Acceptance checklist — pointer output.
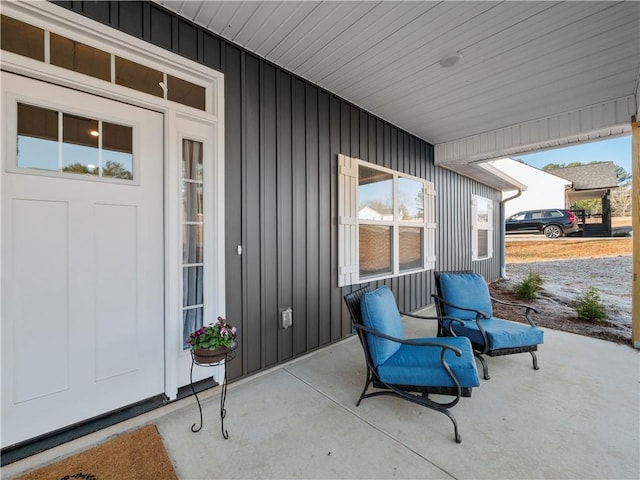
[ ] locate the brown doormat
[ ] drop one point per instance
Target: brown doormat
(137, 455)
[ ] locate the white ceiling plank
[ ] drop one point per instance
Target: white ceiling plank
(521, 59)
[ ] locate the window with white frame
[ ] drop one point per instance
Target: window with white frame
(193, 265)
(387, 222)
(481, 228)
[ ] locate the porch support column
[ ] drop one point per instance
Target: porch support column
(635, 218)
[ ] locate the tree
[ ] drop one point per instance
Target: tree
(116, 170)
(79, 168)
(552, 166)
(620, 201)
(622, 175)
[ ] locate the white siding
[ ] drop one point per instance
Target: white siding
(544, 190)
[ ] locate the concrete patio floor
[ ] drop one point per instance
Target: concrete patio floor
(576, 418)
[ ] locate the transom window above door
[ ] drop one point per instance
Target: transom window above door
(59, 142)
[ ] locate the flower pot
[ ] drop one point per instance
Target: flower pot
(206, 356)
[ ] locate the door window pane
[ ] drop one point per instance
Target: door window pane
(117, 151)
(411, 248)
(376, 250)
(80, 145)
(37, 138)
(77, 145)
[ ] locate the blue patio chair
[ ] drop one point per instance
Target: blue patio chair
(465, 296)
(411, 369)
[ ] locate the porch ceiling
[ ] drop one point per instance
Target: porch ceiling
(522, 62)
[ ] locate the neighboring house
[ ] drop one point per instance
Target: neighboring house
(588, 182)
(543, 189)
(594, 180)
(369, 213)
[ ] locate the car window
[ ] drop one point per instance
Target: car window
(555, 214)
(518, 216)
(537, 215)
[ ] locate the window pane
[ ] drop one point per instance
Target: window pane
(375, 194)
(376, 250)
(192, 279)
(483, 243)
(186, 93)
(117, 151)
(80, 145)
(411, 243)
(410, 200)
(192, 244)
(191, 321)
(21, 38)
(482, 226)
(192, 160)
(80, 58)
(192, 202)
(37, 138)
(136, 76)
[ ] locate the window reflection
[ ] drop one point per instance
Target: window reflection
(117, 151)
(80, 145)
(37, 138)
(375, 194)
(410, 200)
(80, 148)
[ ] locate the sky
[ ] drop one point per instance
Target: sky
(616, 150)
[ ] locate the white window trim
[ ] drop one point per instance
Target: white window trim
(474, 228)
(348, 223)
(53, 18)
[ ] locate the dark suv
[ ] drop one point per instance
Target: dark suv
(553, 222)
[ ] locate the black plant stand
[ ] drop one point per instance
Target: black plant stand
(230, 355)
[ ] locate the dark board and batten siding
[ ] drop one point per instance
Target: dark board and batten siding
(283, 135)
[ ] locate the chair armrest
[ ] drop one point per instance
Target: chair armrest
(527, 312)
(418, 343)
(423, 317)
(479, 313)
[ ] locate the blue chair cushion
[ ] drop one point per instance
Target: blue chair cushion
(380, 312)
(421, 366)
(468, 290)
(501, 333)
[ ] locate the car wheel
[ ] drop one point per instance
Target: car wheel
(552, 231)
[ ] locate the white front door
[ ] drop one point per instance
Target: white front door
(82, 256)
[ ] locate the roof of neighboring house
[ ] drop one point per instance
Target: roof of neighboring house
(591, 176)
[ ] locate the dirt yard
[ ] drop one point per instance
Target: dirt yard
(569, 266)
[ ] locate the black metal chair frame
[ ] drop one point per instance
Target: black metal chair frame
(485, 349)
(412, 393)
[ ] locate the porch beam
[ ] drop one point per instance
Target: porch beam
(604, 120)
(635, 225)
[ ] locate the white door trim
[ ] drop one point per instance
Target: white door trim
(54, 18)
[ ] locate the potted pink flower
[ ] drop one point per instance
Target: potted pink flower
(212, 343)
